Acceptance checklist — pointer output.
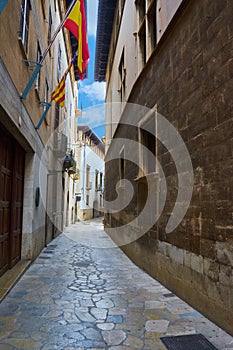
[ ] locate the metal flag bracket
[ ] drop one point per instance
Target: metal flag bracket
(30, 63)
(37, 66)
(43, 104)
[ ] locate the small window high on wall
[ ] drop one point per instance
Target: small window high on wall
(146, 29)
(122, 77)
(24, 22)
(147, 131)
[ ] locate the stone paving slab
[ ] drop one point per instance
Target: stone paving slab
(83, 293)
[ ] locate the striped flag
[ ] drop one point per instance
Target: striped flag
(76, 24)
(58, 94)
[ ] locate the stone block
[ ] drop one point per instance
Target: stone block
(162, 247)
(211, 269)
(158, 326)
(197, 263)
(114, 337)
(187, 258)
(225, 275)
(177, 255)
(224, 252)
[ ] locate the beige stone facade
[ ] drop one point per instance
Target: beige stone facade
(25, 30)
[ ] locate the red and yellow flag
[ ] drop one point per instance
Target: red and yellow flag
(76, 24)
(59, 93)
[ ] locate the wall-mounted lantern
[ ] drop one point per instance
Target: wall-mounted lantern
(68, 162)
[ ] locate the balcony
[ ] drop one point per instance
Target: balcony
(60, 144)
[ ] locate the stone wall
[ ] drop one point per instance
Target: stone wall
(189, 77)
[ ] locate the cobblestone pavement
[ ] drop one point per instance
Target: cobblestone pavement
(78, 295)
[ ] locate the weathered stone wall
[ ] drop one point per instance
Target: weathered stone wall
(189, 77)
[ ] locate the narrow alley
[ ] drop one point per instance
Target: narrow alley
(82, 292)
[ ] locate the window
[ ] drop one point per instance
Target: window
(152, 26)
(141, 9)
(49, 25)
(142, 44)
(147, 144)
(56, 125)
(24, 22)
(38, 58)
(46, 91)
(87, 199)
(88, 184)
(122, 76)
(147, 179)
(122, 164)
(59, 63)
(101, 180)
(43, 7)
(46, 96)
(147, 29)
(96, 180)
(101, 201)
(141, 5)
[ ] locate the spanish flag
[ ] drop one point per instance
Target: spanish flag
(76, 24)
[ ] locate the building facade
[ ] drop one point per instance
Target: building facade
(31, 208)
(89, 187)
(172, 59)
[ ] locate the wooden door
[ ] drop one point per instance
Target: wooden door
(17, 206)
(11, 197)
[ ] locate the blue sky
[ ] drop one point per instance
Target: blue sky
(92, 93)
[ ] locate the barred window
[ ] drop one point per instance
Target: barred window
(59, 63)
(146, 29)
(38, 59)
(24, 22)
(147, 142)
(122, 77)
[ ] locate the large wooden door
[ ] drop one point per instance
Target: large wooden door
(11, 200)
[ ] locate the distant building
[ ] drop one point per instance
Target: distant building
(89, 187)
(173, 58)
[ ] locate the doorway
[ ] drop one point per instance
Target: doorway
(12, 158)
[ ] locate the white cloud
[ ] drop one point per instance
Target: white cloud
(92, 10)
(94, 116)
(95, 91)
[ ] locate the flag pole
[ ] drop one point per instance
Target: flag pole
(57, 31)
(48, 105)
(37, 70)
